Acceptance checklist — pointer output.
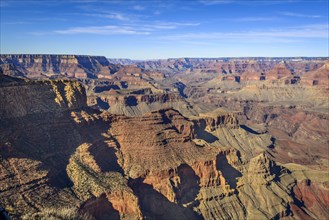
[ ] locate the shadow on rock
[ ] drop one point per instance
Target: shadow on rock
(105, 157)
(100, 208)
(189, 187)
(201, 133)
(229, 172)
(248, 129)
(154, 205)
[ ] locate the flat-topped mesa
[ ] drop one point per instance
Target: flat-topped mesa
(134, 99)
(169, 134)
(22, 97)
(248, 67)
(218, 118)
(58, 65)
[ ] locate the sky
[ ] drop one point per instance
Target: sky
(159, 29)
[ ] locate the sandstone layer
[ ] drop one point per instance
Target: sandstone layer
(174, 139)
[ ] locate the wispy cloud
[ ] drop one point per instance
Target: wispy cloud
(252, 19)
(216, 2)
(168, 25)
(157, 12)
(128, 29)
(103, 30)
(138, 8)
(245, 2)
(293, 14)
(266, 36)
(105, 12)
(110, 15)
(16, 22)
(29, 21)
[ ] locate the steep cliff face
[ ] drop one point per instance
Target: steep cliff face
(94, 177)
(167, 169)
(57, 152)
(10, 69)
(133, 100)
(58, 65)
(40, 97)
(169, 134)
(131, 104)
(38, 135)
(191, 181)
(262, 187)
(218, 118)
(313, 195)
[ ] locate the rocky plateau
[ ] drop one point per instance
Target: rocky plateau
(85, 137)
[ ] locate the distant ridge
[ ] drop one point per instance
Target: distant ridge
(42, 65)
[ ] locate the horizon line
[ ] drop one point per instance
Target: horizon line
(122, 58)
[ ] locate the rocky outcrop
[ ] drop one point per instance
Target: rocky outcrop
(318, 77)
(55, 151)
(38, 97)
(314, 196)
(169, 167)
(133, 100)
(169, 133)
(37, 137)
(92, 181)
(262, 189)
(10, 69)
(211, 121)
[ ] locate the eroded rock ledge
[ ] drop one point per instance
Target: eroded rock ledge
(59, 153)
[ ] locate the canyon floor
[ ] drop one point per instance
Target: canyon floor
(85, 137)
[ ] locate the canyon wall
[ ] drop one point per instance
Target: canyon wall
(37, 66)
(143, 144)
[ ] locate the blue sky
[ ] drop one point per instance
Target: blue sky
(151, 29)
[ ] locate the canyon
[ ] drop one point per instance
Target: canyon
(86, 137)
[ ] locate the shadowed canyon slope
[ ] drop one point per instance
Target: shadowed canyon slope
(169, 139)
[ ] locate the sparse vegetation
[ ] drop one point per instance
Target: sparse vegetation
(58, 99)
(63, 213)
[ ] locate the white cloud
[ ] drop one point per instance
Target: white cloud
(103, 30)
(168, 25)
(112, 15)
(292, 14)
(251, 19)
(266, 36)
(143, 29)
(123, 29)
(116, 16)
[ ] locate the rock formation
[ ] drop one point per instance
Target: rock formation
(56, 65)
(208, 139)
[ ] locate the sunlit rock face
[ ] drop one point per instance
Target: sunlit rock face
(197, 144)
